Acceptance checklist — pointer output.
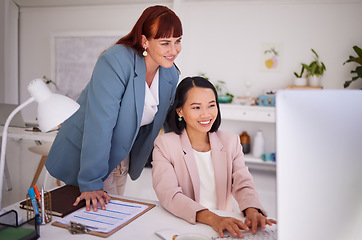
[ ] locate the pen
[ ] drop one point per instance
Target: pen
(31, 193)
(37, 194)
(44, 216)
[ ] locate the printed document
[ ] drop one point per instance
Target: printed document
(116, 213)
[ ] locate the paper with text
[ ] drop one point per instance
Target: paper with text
(116, 213)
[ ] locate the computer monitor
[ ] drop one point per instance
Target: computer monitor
(6, 110)
(319, 164)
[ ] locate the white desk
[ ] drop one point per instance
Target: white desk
(141, 228)
(22, 133)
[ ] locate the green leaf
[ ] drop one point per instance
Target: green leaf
(313, 68)
(359, 71)
(305, 66)
(349, 59)
(324, 67)
(358, 51)
(315, 53)
(346, 84)
(353, 59)
(301, 72)
(229, 94)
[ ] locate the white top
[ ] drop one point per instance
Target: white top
(208, 197)
(151, 101)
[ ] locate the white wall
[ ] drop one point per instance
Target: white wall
(2, 49)
(221, 38)
(224, 40)
(9, 83)
(39, 25)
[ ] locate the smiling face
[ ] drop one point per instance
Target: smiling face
(161, 51)
(199, 111)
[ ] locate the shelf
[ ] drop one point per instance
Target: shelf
(247, 113)
(251, 159)
(303, 87)
(257, 163)
(260, 114)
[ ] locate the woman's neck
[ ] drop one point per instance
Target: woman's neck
(151, 70)
(199, 141)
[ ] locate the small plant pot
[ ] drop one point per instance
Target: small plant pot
(314, 81)
(225, 98)
(300, 81)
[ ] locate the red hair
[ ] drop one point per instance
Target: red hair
(155, 22)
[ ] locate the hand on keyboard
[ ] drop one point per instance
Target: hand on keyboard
(269, 233)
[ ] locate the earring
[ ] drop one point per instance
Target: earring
(144, 53)
(179, 118)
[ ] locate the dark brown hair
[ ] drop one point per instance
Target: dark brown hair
(180, 98)
(155, 22)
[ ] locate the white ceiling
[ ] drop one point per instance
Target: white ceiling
(62, 3)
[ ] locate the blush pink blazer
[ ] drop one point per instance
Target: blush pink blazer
(176, 179)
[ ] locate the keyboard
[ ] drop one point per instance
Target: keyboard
(269, 233)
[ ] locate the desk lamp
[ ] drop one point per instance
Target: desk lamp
(53, 109)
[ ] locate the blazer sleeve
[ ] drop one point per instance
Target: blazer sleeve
(243, 188)
(166, 180)
(105, 92)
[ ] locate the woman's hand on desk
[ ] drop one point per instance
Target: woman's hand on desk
(219, 224)
(254, 219)
(93, 197)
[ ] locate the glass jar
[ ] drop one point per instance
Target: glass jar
(245, 142)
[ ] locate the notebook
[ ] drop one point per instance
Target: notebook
(62, 201)
(5, 110)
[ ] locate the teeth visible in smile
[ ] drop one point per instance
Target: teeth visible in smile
(206, 122)
(170, 58)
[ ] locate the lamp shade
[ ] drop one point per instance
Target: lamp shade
(53, 109)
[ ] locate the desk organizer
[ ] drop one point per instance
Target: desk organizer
(48, 208)
(10, 228)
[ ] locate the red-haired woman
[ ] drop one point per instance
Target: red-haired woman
(122, 110)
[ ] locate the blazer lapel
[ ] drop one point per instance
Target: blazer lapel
(191, 164)
(139, 86)
(220, 163)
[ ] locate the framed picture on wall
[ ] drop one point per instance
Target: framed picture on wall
(271, 57)
(74, 55)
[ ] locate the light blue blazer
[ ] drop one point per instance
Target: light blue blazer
(106, 128)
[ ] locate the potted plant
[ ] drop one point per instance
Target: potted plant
(223, 95)
(299, 79)
(315, 70)
(358, 69)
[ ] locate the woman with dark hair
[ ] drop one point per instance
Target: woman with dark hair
(198, 168)
(122, 110)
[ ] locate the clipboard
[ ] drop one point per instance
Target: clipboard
(104, 235)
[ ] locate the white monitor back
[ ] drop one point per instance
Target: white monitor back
(6, 110)
(319, 164)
